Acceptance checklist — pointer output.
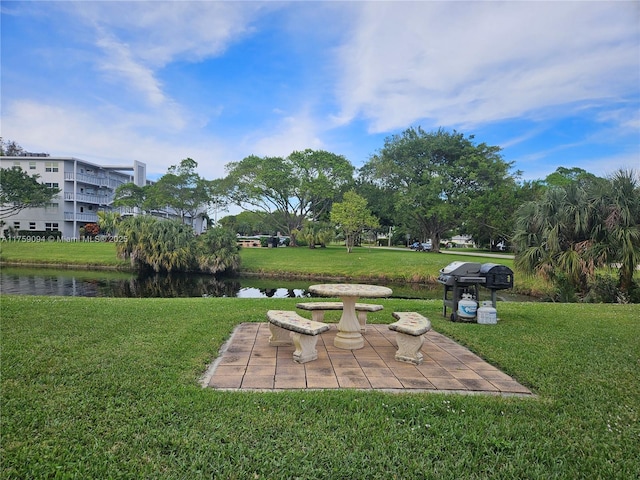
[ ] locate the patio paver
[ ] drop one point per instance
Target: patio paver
(248, 362)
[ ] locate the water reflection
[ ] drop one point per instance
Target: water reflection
(82, 283)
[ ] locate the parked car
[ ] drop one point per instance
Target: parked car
(421, 246)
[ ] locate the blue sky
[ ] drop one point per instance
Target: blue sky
(552, 83)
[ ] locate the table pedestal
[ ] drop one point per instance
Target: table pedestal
(349, 336)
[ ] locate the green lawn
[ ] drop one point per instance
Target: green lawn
(108, 388)
(365, 264)
(88, 254)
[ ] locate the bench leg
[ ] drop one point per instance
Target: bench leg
(279, 336)
(305, 347)
(409, 348)
(362, 320)
(317, 315)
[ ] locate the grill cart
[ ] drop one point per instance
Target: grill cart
(463, 278)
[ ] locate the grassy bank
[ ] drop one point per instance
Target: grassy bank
(108, 388)
(365, 264)
(76, 254)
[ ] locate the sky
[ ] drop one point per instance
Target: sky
(554, 84)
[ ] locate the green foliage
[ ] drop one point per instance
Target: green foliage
(108, 221)
(435, 177)
(168, 246)
(299, 187)
(181, 189)
(573, 230)
(19, 190)
(353, 217)
(218, 251)
(40, 234)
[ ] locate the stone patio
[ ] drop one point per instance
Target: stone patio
(248, 363)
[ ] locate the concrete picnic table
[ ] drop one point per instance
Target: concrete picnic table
(349, 336)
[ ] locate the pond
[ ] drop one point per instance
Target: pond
(99, 283)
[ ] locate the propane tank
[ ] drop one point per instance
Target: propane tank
(467, 307)
(487, 315)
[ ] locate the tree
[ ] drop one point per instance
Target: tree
(435, 177)
(19, 190)
(315, 233)
(9, 148)
(218, 251)
(617, 234)
(291, 190)
(171, 246)
(108, 221)
(130, 195)
(352, 216)
(181, 189)
(553, 239)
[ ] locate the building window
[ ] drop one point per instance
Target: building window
(32, 225)
(16, 225)
(32, 165)
(51, 226)
(16, 164)
(50, 166)
(51, 207)
(52, 184)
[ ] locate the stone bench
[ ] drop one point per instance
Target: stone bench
(410, 329)
(286, 326)
(318, 308)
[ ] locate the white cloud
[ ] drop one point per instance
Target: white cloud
(106, 136)
(467, 63)
(160, 32)
(293, 132)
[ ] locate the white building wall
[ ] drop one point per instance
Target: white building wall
(86, 188)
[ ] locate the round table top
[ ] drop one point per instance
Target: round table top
(350, 290)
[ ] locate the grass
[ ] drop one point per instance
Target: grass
(364, 264)
(76, 254)
(108, 388)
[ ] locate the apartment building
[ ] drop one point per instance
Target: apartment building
(85, 189)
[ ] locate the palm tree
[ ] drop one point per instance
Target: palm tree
(553, 237)
(218, 251)
(618, 234)
(108, 221)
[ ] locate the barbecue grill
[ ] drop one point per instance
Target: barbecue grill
(465, 277)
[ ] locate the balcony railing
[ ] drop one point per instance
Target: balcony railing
(80, 217)
(93, 180)
(86, 198)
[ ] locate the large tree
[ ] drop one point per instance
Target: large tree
(435, 177)
(19, 190)
(299, 187)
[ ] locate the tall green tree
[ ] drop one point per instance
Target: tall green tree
(291, 190)
(435, 177)
(353, 216)
(181, 189)
(19, 190)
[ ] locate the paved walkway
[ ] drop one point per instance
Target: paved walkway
(248, 362)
